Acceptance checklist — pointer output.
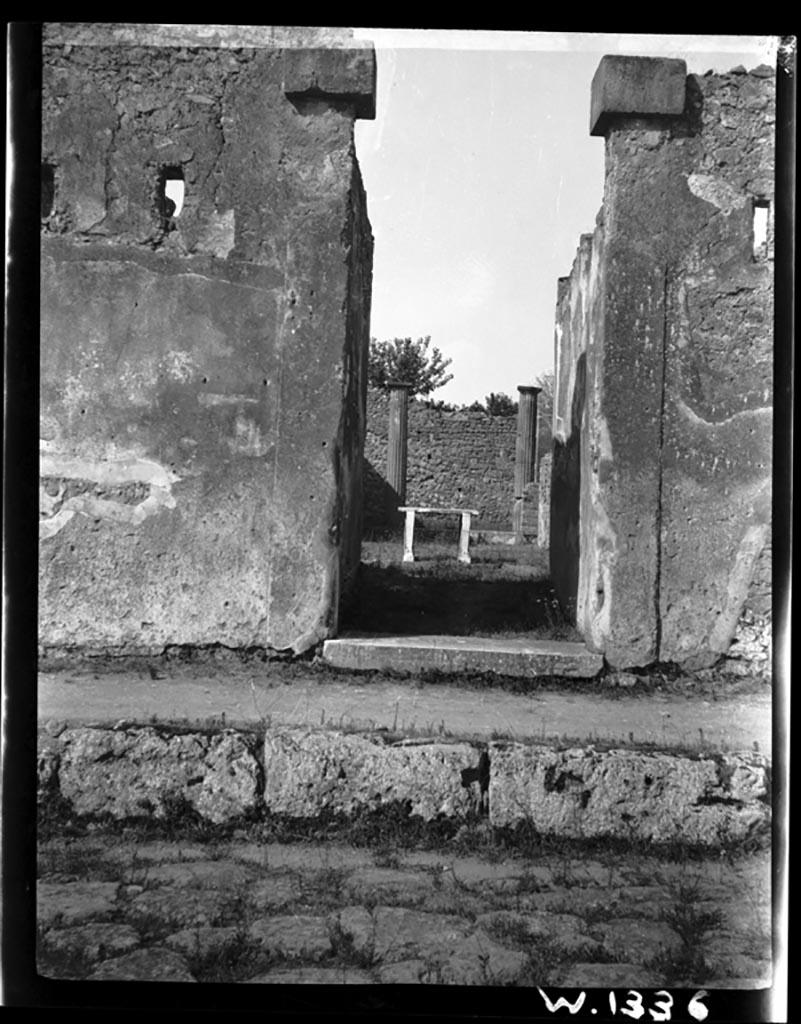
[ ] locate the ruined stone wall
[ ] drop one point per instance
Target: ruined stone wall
(455, 458)
(673, 422)
(202, 377)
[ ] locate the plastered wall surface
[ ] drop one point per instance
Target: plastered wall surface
(454, 458)
(203, 376)
(662, 464)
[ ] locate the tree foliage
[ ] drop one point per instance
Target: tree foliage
(500, 404)
(545, 399)
(408, 362)
(545, 381)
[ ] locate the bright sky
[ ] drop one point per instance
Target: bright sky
(481, 175)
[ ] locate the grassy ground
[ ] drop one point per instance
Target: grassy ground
(504, 592)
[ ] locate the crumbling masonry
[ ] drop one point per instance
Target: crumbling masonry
(661, 489)
(203, 376)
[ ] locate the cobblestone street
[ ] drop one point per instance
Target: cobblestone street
(242, 911)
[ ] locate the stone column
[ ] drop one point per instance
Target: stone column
(397, 447)
(525, 451)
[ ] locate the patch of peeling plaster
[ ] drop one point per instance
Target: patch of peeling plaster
(123, 471)
(716, 191)
(209, 398)
(116, 471)
(220, 234)
(178, 365)
(248, 438)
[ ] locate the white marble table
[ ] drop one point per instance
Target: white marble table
(464, 533)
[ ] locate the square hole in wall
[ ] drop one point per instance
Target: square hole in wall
(170, 193)
(760, 224)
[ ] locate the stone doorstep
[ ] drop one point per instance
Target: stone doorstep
(524, 659)
(576, 793)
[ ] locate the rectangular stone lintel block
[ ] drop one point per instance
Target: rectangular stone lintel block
(346, 74)
(636, 87)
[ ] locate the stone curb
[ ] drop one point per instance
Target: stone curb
(577, 793)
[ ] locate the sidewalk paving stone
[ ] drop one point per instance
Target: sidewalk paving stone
(357, 924)
(400, 931)
(181, 907)
(404, 972)
(95, 941)
(635, 940)
(75, 902)
(274, 891)
(202, 873)
(300, 935)
(203, 939)
(384, 884)
(565, 929)
(154, 964)
(481, 961)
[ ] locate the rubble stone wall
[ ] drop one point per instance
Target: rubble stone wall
(202, 369)
(455, 458)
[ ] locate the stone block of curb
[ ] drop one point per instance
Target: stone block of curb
(131, 772)
(583, 793)
(309, 772)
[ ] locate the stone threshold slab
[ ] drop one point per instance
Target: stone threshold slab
(515, 656)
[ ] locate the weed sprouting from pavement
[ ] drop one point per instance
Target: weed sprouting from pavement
(137, 871)
(529, 883)
(60, 962)
(151, 926)
(346, 951)
(692, 924)
(563, 874)
(597, 913)
(235, 959)
(386, 856)
(545, 955)
(76, 859)
(324, 888)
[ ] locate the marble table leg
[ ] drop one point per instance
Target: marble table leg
(408, 536)
(464, 539)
